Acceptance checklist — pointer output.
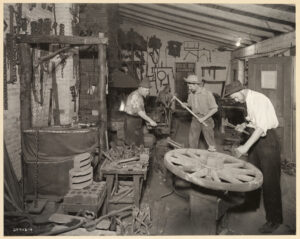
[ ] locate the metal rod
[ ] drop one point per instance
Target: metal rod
(187, 108)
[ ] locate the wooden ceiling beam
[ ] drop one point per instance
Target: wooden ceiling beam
(53, 39)
(263, 11)
(210, 21)
(179, 31)
(278, 43)
(235, 17)
(176, 32)
(205, 33)
(249, 39)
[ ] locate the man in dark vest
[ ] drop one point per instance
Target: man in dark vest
(135, 112)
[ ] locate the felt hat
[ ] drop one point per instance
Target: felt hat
(233, 87)
(192, 79)
(145, 83)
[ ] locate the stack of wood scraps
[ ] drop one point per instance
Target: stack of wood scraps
(121, 191)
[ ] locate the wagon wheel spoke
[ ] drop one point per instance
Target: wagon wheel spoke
(215, 176)
(185, 157)
(234, 165)
(201, 158)
(245, 178)
(191, 168)
(181, 162)
(229, 159)
(199, 174)
(228, 178)
(238, 171)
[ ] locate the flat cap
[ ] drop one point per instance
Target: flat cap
(192, 79)
(233, 87)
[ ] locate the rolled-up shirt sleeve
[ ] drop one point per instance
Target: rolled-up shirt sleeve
(211, 101)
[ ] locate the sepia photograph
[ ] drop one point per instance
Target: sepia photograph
(149, 119)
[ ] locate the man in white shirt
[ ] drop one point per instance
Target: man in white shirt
(263, 149)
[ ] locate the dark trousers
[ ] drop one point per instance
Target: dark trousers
(133, 130)
(265, 155)
(195, 131)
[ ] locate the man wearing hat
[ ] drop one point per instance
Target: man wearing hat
(203, 104)
(135, 112)
(263, 151)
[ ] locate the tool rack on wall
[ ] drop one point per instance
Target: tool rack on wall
(26, 42)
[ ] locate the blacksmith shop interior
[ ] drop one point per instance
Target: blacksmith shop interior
(149, 119)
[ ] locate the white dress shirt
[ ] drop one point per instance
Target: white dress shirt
(261, 112)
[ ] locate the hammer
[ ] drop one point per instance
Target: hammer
(188, 109)
(226, 123)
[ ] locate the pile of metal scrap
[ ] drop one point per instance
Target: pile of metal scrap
(140, 222)
(124, 153)
(66, 223)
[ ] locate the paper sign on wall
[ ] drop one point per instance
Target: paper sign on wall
(269, 79)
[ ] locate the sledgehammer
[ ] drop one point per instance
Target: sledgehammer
(188, 109)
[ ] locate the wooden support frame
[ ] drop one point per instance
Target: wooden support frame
(26, 40)
(102, 96)
(52, 39)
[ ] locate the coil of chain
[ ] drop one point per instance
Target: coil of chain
(38, 125)
(37, 144)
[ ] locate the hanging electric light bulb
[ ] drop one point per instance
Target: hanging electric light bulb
(238, 43)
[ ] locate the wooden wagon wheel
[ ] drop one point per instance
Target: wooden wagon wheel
(213, 170)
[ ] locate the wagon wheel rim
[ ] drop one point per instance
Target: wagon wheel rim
(213, 170)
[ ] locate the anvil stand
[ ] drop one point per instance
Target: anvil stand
(207, 208)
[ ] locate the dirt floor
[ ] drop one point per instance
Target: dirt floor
(172, 213)
(185, 211)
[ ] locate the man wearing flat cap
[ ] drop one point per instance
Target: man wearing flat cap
(263, 151)
(203, 104)
(135, 112)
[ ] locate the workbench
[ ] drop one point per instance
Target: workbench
(113, 172)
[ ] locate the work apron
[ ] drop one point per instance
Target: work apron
(133, 130)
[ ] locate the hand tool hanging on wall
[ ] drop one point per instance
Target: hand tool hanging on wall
(46, 26)
(5, 79)
(12, 48)
(155, 44)
(18, 15)
(54, 26)
(33, 82)
(56, 114)
(174, 48)
(208, 58)
(50, 108)
(74, 95)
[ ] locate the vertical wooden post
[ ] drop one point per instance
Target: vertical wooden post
(102, 95)
(25, 86)
(25, 74)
